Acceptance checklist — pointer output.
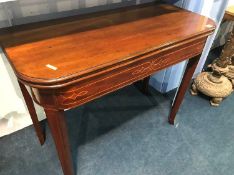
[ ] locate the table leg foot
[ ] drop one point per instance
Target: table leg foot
(58, 129)
(145, 85)
(32, 111)
(191, 67)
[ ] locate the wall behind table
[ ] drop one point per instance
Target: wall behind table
(25, 11)
(13, 112)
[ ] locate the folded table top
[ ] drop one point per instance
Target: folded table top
(53, 51)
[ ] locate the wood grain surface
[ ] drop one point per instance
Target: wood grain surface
(71, 61)
(53, 52)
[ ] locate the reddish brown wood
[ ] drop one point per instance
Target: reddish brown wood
(192, 64)
(89, 89)
(29, 102)
(86, 45)
(71, 61)
(58, 129)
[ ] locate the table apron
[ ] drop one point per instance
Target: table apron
(92, 88)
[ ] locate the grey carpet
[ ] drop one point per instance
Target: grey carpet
(126, 133)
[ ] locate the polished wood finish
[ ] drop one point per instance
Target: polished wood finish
(191, 67)
(32, 111)
(71, 61)
(57, 124)
(83, 46)
(229, 13)
(91, 88)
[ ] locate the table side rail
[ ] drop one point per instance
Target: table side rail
(83, 92)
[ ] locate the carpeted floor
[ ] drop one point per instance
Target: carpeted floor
(126, 133)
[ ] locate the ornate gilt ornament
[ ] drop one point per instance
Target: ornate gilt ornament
(221, 64)
(222, 70)
(227, 53)
(213, 85)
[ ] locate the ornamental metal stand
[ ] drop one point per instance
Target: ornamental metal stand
(219, 83)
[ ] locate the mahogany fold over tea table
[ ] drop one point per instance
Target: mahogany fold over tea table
(71, 61)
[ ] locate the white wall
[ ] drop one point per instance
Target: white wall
(13, 113)
(10, 102)
(231, 2)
